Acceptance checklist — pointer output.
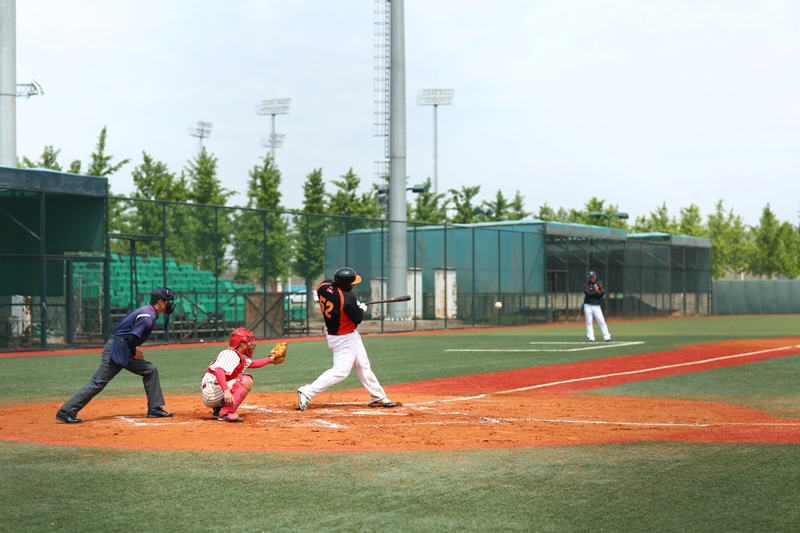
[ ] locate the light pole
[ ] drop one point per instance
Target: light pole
(435, 97)
(599, 214)
(273, 106)
(483, 212)
(202, 131)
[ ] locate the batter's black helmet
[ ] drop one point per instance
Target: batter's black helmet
(591, 274)
(346, 277)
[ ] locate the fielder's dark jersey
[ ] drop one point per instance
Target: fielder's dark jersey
(593, 293)
(339, 307)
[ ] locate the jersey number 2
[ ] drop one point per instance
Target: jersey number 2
(325, 306)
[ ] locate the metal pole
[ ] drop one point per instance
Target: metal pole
(272, 138)
(398, 252)
(8, 84)
(435, 152)
(43, 271)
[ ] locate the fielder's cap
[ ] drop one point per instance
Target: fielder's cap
(162, 293)
(591, 274)
(347, 276)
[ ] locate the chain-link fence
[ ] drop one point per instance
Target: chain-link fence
(233, 267)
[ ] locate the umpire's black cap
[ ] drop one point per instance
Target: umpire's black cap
(591, 274)
(162, 293)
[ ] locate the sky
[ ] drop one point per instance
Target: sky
(640, 104)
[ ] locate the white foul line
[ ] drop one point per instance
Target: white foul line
(643, 370)
(589, 378)
(592, 346)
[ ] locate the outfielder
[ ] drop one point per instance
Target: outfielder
(224, 386)
(343, 313)
(591, 307)
(122, 351)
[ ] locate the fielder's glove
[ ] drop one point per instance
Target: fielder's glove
(362, 306)
(278, 353)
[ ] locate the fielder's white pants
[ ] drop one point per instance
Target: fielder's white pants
(594, 312)
(348, 352)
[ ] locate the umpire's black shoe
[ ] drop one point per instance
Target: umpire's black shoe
(158, 412)
(67, 418)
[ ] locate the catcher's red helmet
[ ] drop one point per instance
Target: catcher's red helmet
(240, 335)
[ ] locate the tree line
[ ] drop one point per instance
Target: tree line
(266, 242)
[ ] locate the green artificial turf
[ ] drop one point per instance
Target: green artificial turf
(772, 386)
(632, 487)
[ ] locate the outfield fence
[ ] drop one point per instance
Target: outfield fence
(235, 267)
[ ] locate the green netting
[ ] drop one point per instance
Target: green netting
(756, 297)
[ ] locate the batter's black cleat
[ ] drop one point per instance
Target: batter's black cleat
(158, 412)
(67, 418)
(384, 402)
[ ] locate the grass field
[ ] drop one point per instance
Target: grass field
(650, 486)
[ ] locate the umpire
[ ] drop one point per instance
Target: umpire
(593, 295)
(122, 351)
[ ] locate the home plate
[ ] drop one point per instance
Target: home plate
(379, 413)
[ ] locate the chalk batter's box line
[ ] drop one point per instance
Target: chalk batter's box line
(591, 346)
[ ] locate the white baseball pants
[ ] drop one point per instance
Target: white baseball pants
(595, 312)
(348, 352)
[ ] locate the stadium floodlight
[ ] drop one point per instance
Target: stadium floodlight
(435, 98)
(273, 106)
(599, 214)
(202, 131)
(275, 140)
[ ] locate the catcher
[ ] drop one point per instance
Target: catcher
(224, 386)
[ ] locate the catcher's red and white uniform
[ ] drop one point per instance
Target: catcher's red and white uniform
(233, 364)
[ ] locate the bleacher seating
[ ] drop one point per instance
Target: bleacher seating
(196, 288)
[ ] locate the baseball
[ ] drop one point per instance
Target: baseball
(498, 305)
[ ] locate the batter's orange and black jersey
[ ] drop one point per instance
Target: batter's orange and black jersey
(342, 314)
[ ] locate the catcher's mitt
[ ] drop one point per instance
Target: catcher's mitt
(278, 353)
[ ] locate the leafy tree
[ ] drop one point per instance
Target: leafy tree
(499, 207)
(345, 201)
(48, 159)
(551, 215)
(100, 165)
(730, 241)
(154, 181)
(249, 247)
(205, 189)
(427, 207)
(516, 209)
(692, 222)
(462, 201)
(75, 167)
(598, 206)
(766, 258)
(788, 251)
(310, 231)
(659, 221)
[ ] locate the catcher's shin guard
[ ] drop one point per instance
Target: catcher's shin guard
(240, 390)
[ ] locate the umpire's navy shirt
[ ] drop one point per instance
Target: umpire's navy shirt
(140, 322)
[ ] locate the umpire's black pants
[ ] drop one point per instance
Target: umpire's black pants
(106, 372)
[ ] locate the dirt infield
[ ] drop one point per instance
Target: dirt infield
(527, 407)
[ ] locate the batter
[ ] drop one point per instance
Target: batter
(343, 313)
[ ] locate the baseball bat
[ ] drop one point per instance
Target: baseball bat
(405, 298)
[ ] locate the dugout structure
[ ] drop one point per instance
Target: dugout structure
(536, 269)
(52, 224)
